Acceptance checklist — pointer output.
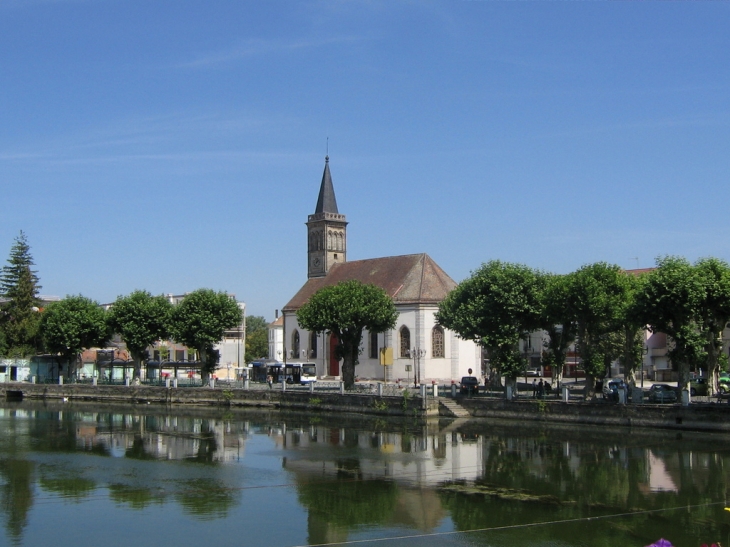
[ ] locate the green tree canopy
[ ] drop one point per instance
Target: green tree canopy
(200, 321)
(19, 318)
(598, 293)
(140, 319)
(497, 306)
(257, 337)
(691, 304)
(557, 321)
(72, 325)
(344, 310)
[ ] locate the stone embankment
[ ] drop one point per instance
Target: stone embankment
(695, 417)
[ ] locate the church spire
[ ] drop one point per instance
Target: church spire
(326, 203)
(326, 230)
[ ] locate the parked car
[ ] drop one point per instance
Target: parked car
(535, 371)
(699, 386)
(469, 385)
(610, 389)
(662, 393)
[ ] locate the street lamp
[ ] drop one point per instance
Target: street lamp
(417, 353)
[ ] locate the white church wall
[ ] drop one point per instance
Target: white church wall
(459, 355)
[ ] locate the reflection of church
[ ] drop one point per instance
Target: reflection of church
(421, 348)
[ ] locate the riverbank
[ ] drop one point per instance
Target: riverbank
(695, 417)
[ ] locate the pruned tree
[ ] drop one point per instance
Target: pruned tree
(140, 319)
(19, 286)
(557, 321)
(714, 311)
(344, 310)
(596, 299)
(72, 325)
(498, 306)
(200, 321)
(690, 304)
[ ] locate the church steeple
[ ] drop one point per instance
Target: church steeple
(326, 203)
(326, 229)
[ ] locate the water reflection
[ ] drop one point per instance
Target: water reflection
(288, 480)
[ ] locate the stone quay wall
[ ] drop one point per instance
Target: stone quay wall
(695, 417)
(205, 396)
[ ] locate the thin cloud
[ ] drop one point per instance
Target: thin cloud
(255, 48)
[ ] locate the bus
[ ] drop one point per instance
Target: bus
(300, 373)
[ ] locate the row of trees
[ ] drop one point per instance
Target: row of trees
(601, 308)
(76, 323)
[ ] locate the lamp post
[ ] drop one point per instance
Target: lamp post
(417, 353)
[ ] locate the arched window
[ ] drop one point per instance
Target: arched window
(374, 345)
(330, 244)
(437, 342)
(313, 345)
(405, 342)
(295, 343)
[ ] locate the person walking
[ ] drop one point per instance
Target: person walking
(540, 389)
(534, 389)
(270, 381)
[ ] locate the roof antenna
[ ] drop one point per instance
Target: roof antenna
(637, 261)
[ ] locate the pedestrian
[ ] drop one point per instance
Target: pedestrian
(534, 389)
(270, 381)
(540, 389)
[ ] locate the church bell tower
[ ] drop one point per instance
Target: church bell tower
(326, 230)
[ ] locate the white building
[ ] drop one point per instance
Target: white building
(276, 338)
(422, 350)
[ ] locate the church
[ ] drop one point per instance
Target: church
(422, 351)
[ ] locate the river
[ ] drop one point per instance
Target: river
(77, 475)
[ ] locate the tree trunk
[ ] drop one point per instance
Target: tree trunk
(137, 367)
(713, 351)
(557, 372)
(589, 392)
(203, 358)
(349, 358)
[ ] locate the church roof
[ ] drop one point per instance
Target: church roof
(326, 202)
(407, 279)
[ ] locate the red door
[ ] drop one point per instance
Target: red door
(334, 368)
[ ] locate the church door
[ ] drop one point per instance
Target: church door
(334, 368)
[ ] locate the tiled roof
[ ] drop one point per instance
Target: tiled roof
(407, 279)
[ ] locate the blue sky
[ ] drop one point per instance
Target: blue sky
(174, 145)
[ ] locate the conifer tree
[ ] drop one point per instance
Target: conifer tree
(19, 317)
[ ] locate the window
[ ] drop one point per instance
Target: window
(295, 343)
(373, 345)
(437, 342)
(405, 342)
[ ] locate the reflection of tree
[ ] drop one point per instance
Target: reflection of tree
(205, 498)
(339, 505)
(136, 498)
(591, 478)
(137, 451)
(207, 444)
(57, 432)
(16, 495)
(75, 488)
